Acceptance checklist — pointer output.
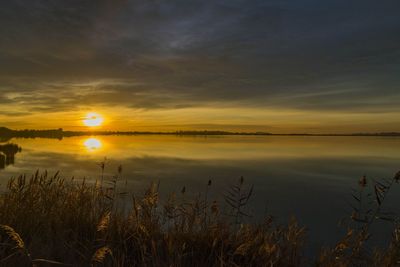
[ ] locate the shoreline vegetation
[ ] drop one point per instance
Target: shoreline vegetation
(6, 133)
(46, 220)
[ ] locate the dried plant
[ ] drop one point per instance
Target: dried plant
(237, 198)
(100, 256)
(77, 223)
(352, 250)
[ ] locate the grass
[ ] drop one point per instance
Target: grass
(49, 221)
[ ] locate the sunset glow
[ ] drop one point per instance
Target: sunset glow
(252, 72)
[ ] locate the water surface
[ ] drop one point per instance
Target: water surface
(307, 177)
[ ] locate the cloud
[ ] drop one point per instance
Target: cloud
(309, 55)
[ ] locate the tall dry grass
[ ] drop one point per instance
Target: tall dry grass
(49, 221)
(81, 224)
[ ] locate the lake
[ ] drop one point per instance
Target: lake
(308, 177)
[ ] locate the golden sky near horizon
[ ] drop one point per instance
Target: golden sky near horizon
(280, 67)
(276, 121)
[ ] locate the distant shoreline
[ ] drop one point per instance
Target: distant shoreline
(6, 133)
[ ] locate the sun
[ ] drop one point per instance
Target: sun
(93, 119)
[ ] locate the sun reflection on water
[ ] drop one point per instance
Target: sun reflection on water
(92, 144)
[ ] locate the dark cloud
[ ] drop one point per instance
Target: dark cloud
(312, 55)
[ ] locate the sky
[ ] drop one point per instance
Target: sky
(281, 66)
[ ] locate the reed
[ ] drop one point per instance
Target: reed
(48, 220)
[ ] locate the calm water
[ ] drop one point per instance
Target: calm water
(308, 177)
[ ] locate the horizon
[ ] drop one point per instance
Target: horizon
(204, 131)
(315, 67)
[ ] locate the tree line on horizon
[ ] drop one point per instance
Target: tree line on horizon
(7, 133)
(60, 133)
